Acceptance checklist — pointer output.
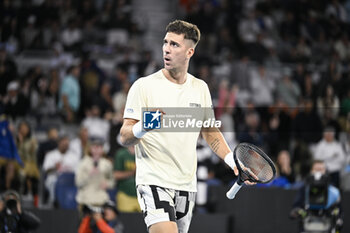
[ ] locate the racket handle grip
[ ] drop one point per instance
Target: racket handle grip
(233, 190)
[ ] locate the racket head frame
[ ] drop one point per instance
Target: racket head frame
(244, 175)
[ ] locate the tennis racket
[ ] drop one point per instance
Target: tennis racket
(253, 165)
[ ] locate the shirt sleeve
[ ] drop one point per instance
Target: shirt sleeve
(49, 161)
(85, 225)
(208, 104)
(104, 227)
(135, 101)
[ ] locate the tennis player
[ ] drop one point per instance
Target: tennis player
(166, 162)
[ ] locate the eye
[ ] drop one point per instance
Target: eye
(174, 44)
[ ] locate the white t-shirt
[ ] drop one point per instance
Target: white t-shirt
(332, 154)
(69, 161)
(166, 159)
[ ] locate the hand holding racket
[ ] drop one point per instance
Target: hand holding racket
(253, 166)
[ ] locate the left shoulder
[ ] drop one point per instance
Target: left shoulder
(196, 81)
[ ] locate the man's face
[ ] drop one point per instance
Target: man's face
(63, 145)
(328, 136)
(176, 51)
(318, 168)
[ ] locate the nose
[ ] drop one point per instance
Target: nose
(166, 49)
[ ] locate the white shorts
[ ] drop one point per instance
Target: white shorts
(162, 204)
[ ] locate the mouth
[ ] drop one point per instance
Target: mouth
(166, 59)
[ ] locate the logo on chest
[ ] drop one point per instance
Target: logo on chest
(195, 105)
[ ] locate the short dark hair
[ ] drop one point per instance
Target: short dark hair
(190, 31)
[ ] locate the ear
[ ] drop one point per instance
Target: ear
(190, 52)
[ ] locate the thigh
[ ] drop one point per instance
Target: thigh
(184, 204)
(162, 227)
(157, 205)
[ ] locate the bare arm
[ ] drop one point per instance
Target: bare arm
(121, 175)
(217, 143)
(127, 137)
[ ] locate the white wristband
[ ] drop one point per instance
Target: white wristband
(229, 160)
(138, 131)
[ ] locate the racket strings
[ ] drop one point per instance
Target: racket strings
(256, 163)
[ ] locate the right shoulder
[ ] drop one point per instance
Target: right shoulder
(148, 80)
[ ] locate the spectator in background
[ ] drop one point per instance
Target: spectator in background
(58, 161)
(310, 28)
(289, 27)
(124, 173)
(279, 128)
(80, 144)
(30, 32)
(250, 133)
(262, 87)
(285, 174)
(104, 99)
(308, 88)
(42, 102)
(71, 36)
(120, 76)
(342, 47)
(114, 138)
(337, 10)
(285, 167)
(106, 16)
(328, 102)
(69, 100)
(287, 90)
(248, 28)
(27, 148)
(9, 157)
(321, 48)
(105, 222)
(8, 71)
(331, 152)
(94, 176)
(47, 145)
(91, 79)
(224, 111)
(67, 13)
(241, 78)
(257, 50)
(10, 177)
(119, 98)
(306, 130)
(15, 104)
(96, 125)
(299, 75)
(332, 77)
(147, 65)
(12, 216)
(345, 104)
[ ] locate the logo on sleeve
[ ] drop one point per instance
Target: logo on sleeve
(151, 119)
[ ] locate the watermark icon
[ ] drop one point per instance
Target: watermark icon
(152, 119)
(179, 119)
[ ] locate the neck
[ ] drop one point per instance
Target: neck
(175, 76)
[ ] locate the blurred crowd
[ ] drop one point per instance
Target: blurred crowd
(278, 72)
